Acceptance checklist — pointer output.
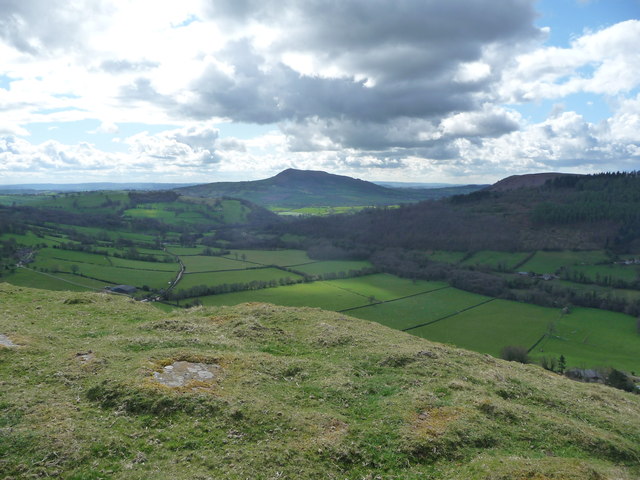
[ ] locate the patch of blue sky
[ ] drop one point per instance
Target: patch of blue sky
(570, 19)
(5, 81)
(47, 111)
(593, 108)
(65, 95)
(72, 133)
(185, 23)
(244, 131)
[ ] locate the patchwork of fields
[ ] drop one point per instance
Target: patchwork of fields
(434, 310)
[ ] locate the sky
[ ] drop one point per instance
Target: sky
(197, 91)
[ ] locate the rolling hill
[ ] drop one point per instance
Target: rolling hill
(97, 386)
(567, 212)
(301, 188)
(515, 182)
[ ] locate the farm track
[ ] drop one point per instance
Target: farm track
(180, 273)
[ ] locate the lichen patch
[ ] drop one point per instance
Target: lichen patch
(182, 374)
(6, 341)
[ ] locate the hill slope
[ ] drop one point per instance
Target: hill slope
(283, 393)
(524, 181)
(568, 212)
(300, 188)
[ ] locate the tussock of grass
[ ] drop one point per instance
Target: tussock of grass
(301, 393)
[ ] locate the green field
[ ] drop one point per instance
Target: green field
(194, 264)
(115, 235)
(58, 281)
(29, 239)
(419, 309)
(57, 259)
(163, 215)
(19, 200)
(282, 258)
(142, 265)
(491, 326)
(496, 260)
(315, 211)
(318, 294)
(330, 295)
(49, 255)
(550, 262)
(626, 294)
(116, 275)
(598, 273)
(234, 211)
(383, 286)
(241, 276)
(590, 338)
(178, 250)
(332, 266)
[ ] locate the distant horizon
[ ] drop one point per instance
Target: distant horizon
(206, 91)
(178, 183)
(90, 183)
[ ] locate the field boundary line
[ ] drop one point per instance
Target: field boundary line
(307, 263)
(267, 264)
(526, 259)
(79, 261)
(68, 281)
(231, 270)
(388, 301)
(116, 266)
(544, 335)
(447, 316)
(243, 261)
(326, 282)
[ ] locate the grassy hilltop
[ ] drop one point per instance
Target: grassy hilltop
(290, 393)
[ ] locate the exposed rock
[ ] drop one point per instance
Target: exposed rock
(6, 341)
(181, 373)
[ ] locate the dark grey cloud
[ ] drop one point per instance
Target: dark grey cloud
(391, 39)
(263, 93)
(142, 90)
(399, 61)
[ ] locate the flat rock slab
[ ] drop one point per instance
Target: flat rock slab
(6, 341)
(181, 373)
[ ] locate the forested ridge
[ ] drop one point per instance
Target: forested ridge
(583, 212)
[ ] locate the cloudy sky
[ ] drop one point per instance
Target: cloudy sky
(458, 91)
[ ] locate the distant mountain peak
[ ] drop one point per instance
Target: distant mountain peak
(290, 172)
(294, 173)
(296, 188)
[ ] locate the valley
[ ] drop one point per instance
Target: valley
(173, 327)
(180, 252)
